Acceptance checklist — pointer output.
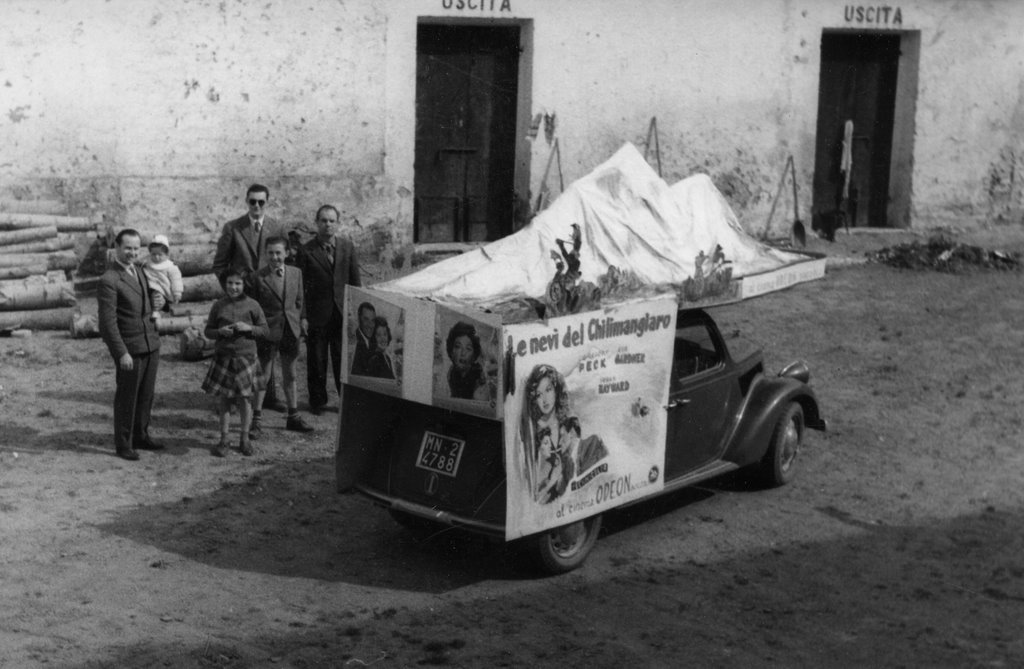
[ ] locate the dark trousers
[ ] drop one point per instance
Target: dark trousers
(133, 400)
(323, 342)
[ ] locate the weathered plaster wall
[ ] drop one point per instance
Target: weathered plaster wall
(716, 75)
(734, 87)
(720, 77)
(160, 113)
(969, 153)
(156, 111)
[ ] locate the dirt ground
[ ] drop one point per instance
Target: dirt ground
(898, 545)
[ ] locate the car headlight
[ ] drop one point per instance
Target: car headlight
(797, 370)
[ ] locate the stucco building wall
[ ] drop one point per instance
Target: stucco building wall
(158, 114)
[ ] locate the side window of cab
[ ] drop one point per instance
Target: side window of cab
(695, 352)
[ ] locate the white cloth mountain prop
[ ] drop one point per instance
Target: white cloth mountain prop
(630, 222)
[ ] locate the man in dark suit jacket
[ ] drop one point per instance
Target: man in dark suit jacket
(243, 241)
(279, 291)
(241, 246)
(328, 264)
(365, 344)
(125, 306)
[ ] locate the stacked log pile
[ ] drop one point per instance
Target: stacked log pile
(48, 257)
(37, 256)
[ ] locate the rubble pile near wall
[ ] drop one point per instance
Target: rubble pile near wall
(943, 254)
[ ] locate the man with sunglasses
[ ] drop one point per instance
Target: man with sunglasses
(242, 247)
(243, 241)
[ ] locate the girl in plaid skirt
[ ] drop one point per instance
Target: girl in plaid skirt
(236, 321)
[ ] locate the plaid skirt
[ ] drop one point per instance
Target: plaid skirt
(234, 376)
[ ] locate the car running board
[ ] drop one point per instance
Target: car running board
(710, 470)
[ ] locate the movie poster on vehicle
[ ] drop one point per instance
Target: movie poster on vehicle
(374, 342)
(467, 357)
(585, 426)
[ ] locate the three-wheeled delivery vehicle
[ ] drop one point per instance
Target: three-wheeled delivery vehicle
(527, 413)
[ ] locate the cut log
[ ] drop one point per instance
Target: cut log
(59, 243)
(58, 260)
(193, 344)
(184, 238)
(23, 235)
(25, 295)
(201, 288)
(37, 319)
(176, 324)
(197, 309)
(35, 207)
(15, 221)
(22, 271)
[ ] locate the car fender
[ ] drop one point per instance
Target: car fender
(767, 398)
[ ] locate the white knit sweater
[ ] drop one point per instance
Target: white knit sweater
(164, 277)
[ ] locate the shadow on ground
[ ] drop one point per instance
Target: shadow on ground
(885, 596)
(288, 521)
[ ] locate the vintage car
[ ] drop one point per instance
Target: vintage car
(433, 467)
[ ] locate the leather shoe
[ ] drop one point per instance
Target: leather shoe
(296, 424)
(276, 405)
(130, 454)
(245, 447)
(317, 410)
(148, 445)
(256, 428)
(220, 450)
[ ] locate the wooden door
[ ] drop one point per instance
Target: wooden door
(858, 83)
(466, 95)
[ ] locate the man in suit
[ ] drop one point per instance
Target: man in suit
(365, 344)
(125, 305)
(279, 291)
(241, 246)
(583, 453)
(328, 264)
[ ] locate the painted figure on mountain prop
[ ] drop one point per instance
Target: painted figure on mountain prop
(712, 276)
(566, 294)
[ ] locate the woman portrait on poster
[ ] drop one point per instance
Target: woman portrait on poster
(466, 376)
(547, 404)
(381, 363)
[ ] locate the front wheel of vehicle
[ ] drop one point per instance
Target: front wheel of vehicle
(779, 464)
(564, 548)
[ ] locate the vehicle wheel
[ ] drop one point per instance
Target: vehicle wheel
(420, 528)
(564, 548)
(779, 464)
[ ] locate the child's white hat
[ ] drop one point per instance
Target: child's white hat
(162, 241)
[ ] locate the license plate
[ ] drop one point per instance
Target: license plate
(440, 454)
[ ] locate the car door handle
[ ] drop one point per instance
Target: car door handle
(678, 403)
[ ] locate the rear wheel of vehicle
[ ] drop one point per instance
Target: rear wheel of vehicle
(420, 528)
(564, 548)
(779, 464)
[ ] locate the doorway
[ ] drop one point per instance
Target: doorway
(467, 81)
(863, 151)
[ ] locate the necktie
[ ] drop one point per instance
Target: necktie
(256, 225)
(279, 280)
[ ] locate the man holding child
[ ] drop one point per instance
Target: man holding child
(125, 324)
